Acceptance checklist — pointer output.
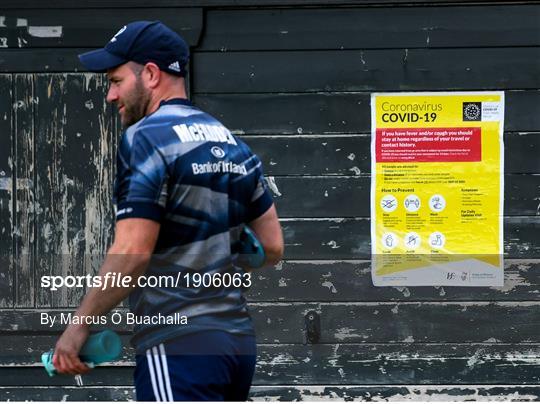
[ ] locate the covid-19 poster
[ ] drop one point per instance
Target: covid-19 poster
(437, 188)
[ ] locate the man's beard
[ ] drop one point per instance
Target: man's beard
(135, 104)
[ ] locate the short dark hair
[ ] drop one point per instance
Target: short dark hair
(136, 68)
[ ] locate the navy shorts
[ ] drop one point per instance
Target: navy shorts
(204, 366)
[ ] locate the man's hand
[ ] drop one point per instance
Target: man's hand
(66, 353)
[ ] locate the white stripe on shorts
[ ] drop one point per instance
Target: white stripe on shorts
(166, 372)
(159, 375)
(152, 375)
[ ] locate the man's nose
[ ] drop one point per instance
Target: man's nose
(112, 95)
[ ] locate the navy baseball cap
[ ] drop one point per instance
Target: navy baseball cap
(141, 42)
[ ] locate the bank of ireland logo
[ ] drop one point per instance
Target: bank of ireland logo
(217, 152)
(113, 39)
(472, 111)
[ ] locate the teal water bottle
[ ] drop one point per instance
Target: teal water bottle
(249, 249)
(105, 346)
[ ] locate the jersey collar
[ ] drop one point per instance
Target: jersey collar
(176, 101)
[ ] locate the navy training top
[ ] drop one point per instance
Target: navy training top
(181, 167)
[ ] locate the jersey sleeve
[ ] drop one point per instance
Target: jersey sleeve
(141, 182)
(261, 198)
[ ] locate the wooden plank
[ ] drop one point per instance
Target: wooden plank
(516, 147)
(312, 154)
(518, 119)
(295, 393)
(26, 28)
(274, 114)
(321, 113)
(306, 196)
(346, 364)
(345, 239)
(367, 70)
(36, 376)
(395, 393)
(377, 322)
(384, 70)
(40, 60)
(25, 198)
(350, 281)
(10, 4)
(81, 394)
(326, 239)
(340, 238)
(518, 194)
(373, 322)
(521, 237)
(350, 154)
(26, 350)
(297, 197)
(366, 28)
(6, 192)
(386, 364)
(76, 147)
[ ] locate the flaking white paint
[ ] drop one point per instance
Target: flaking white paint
(45, 31)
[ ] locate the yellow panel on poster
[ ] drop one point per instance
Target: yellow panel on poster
(437, 188)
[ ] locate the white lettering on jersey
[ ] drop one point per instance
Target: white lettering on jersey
(201, 132)
(219, 167)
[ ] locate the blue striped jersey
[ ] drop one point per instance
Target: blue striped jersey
(181, 167)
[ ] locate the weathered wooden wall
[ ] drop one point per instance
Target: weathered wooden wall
(294, 82)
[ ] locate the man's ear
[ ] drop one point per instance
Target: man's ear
(151, 75)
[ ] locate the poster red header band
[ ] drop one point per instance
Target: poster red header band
(395, 145)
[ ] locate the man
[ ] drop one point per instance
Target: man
(184, 190)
